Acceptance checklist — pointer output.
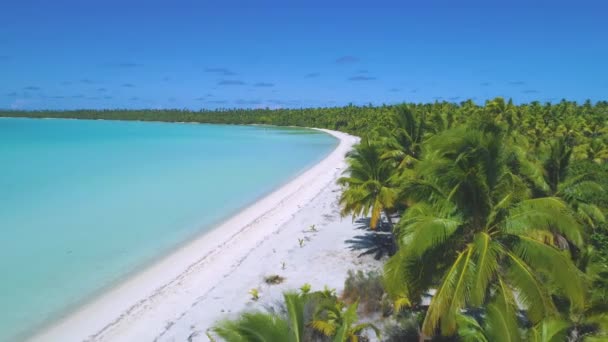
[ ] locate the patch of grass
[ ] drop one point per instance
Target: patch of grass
(274, 279)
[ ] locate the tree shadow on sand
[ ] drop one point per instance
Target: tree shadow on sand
(378, 242)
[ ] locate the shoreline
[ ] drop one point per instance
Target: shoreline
(197, 266)
(74, 309)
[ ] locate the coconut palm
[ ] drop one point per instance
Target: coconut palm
(331, 319)
(595, 149)
(578, 191)
(264, 327)
(403, 143)
(475, 235)
(368, 186)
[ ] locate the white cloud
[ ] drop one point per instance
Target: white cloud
(18, 104)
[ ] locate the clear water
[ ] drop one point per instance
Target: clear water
(85, 203)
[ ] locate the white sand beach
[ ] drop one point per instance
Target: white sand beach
(182, 295)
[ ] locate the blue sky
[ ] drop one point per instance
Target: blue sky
(209, 54)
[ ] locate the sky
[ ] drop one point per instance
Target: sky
(257, 54)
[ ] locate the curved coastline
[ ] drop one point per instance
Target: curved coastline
(196, 268)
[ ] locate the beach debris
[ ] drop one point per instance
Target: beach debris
(283, 265)
(274, 279)
(195, 334)
(255, 294)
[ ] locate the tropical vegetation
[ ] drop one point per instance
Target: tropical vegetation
(497, 212)
(305, 316)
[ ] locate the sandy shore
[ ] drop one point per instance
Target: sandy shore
(182, 295)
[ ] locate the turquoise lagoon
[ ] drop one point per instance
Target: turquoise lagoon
(83, 204)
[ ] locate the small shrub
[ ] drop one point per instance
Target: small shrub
(405, 329)
(313, 229)
(367, 288)
(274, 279)
(301, 242)
(305, 288)
(255, 294)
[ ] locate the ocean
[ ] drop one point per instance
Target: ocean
(84, 204)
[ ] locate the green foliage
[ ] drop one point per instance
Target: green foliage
(368, 187)
(255, 327)
(550, 330)
(488, 241)
(263, 327)
(502, 215)
(330, 318)
(305, 289)
(255, 294)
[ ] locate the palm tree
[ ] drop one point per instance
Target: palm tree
(475, 235)
(296, 324)
(368, 186)
(333, 321)
(264, 327)
(595, 149)
(403, 143)
(578, 191)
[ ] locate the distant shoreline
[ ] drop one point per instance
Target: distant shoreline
(210, 254)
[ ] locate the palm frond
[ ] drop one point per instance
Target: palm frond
(295, 310)
(450, 297)
(395, 277)
(324, 327)
(547, 213)
(424, 227)
(556, 265)
(501, 324)
(469, 330)
(549, 330)
(485, 257)
(254, 327)
(348, 318)
(530, 290)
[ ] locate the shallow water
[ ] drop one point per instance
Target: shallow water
(85, 203)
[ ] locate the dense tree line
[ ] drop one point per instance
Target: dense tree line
(501, 218)
(533, 119)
